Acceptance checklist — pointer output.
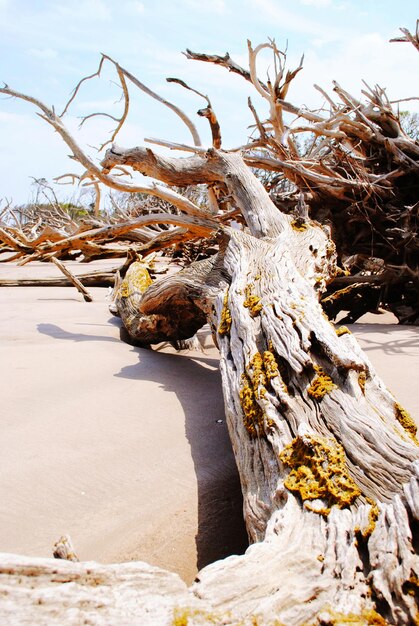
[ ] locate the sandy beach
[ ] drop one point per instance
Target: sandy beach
(123, 448)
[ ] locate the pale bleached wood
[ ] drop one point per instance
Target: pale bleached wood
(330, 547)
(73, 279)
(306, 563)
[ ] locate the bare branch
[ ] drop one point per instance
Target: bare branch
(75, 281)
(182, 83)
(185, 119)
(77, 87)
(408, 37)
(225, 61)
(175, 146)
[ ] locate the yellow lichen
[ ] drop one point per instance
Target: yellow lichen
(258, 376)
(372, 518)
(319, 471)
(253, 415)
(182, 617)
(362, 379)
(260, 371)
(368, 617)
(252, 302)
(342, 331)
(273, 369)
(341, 272)
(411, 586)
(137, 280)
(321, 385)
(299, 225)
(225, 322)
(404, 418)
(270, 364)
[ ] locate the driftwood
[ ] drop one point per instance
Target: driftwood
(92, 279)
(328, 459)
(355, 169)
(64, 549)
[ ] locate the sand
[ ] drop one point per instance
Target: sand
(123, 448)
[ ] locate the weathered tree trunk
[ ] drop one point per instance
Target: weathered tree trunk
(328, 459)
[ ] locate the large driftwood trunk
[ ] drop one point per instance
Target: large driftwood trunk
(328, 459)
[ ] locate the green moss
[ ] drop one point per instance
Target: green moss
(321, 385)
(319, 470)
(225, 322)
(252, 302)
(404, 418)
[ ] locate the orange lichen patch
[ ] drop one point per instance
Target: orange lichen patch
(252, 302)
(225, 322)
(404, 418)
(362, 379)
(319, 471)
(137, 280)
(342, 331)
(321, 385)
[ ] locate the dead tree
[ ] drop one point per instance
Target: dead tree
(356, 169)
(328, 459)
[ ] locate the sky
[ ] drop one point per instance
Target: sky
(47, 46)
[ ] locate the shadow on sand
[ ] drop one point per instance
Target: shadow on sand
(392, 339)
(197, 383)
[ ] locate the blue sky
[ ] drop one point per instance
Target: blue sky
(47, 46)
